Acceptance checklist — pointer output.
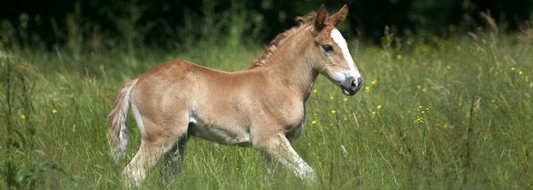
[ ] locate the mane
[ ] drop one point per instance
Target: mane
(302, 21)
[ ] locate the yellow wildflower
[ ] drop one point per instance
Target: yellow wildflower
(512, 68)
(452, 27)
(379, 107)
(435, 38)
(367, 89)
(410, 40)
(345, 99)
(399, 56)
(390, 38)
(22, 116)
(314, 122)
(333, 111)
(54, 111)
(308, 144)
(418, 86)
(345, 119)
(374, 82)
(314, 91)
(373, 113)
(424, 89)
(520, 72)
(448, 67)
(331, 97)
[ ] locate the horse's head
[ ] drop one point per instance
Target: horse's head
(331, 55)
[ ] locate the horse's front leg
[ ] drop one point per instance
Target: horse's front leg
(278, 148)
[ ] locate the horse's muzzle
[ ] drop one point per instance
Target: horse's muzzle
(350, 86)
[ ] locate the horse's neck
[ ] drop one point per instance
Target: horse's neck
(294, 66)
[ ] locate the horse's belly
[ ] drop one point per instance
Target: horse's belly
(222, 135)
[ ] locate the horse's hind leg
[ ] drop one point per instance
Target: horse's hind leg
(157, 140)
(172, 162)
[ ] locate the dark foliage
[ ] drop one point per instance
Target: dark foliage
(48, 19)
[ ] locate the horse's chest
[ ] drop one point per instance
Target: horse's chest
(297, 131)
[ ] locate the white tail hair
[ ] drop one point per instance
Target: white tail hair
(117, 134)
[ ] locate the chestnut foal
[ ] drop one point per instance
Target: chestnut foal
(262, 106)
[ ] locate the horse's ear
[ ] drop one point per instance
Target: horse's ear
(320, 18)
(339, 16)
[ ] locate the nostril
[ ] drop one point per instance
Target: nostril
(359, 84)
(354, 85)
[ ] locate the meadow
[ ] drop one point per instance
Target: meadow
(435, 112)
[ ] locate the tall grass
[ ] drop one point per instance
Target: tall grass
(434, 113)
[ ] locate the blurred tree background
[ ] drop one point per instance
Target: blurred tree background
(99, 24)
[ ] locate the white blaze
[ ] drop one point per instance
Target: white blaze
(341, 42)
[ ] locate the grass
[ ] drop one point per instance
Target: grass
(434, 114)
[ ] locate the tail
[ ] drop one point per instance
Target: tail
(117, 134)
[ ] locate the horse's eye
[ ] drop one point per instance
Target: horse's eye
(327, 48)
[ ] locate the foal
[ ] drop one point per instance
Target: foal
(262, 106)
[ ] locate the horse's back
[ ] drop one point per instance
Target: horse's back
(181, 85)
